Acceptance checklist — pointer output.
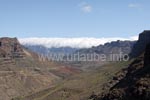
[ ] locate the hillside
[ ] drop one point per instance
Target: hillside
(34, 79)
(79, 86)
(136, 83)
(22, 72)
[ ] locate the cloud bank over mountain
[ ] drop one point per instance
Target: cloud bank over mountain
(84, 42)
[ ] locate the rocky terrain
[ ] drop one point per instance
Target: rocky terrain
(10, 47)
(22, 72)
(135, 81)
(23, 76)
(139, 47)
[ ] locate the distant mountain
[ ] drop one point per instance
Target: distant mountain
(111, 47)
(40, 49)
(114, 47)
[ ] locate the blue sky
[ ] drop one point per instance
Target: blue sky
(73, 18)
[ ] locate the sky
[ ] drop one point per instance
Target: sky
(73, 18)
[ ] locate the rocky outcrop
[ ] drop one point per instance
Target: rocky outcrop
(135, 85)
(22, 72)
(143, 41)
(10, 47)
(147, 56)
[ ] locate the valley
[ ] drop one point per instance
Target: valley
(26, 77)
(74, 50)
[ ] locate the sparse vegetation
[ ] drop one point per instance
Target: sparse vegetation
(80, 86)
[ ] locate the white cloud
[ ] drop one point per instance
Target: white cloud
(71, 42)
(86, 8)
(134, 37)
(134, 5)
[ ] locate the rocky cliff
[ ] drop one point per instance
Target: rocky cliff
(10, 47)
(139, 47)
(147, 56)
(135, 84)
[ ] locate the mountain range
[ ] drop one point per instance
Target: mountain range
(24, 75)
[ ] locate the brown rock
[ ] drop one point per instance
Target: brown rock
(10, 47)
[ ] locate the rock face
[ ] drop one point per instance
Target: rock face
(147, 56)
(139, 47)
(22, 72)
(112, 47)
(136, 83)
(10, 47)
